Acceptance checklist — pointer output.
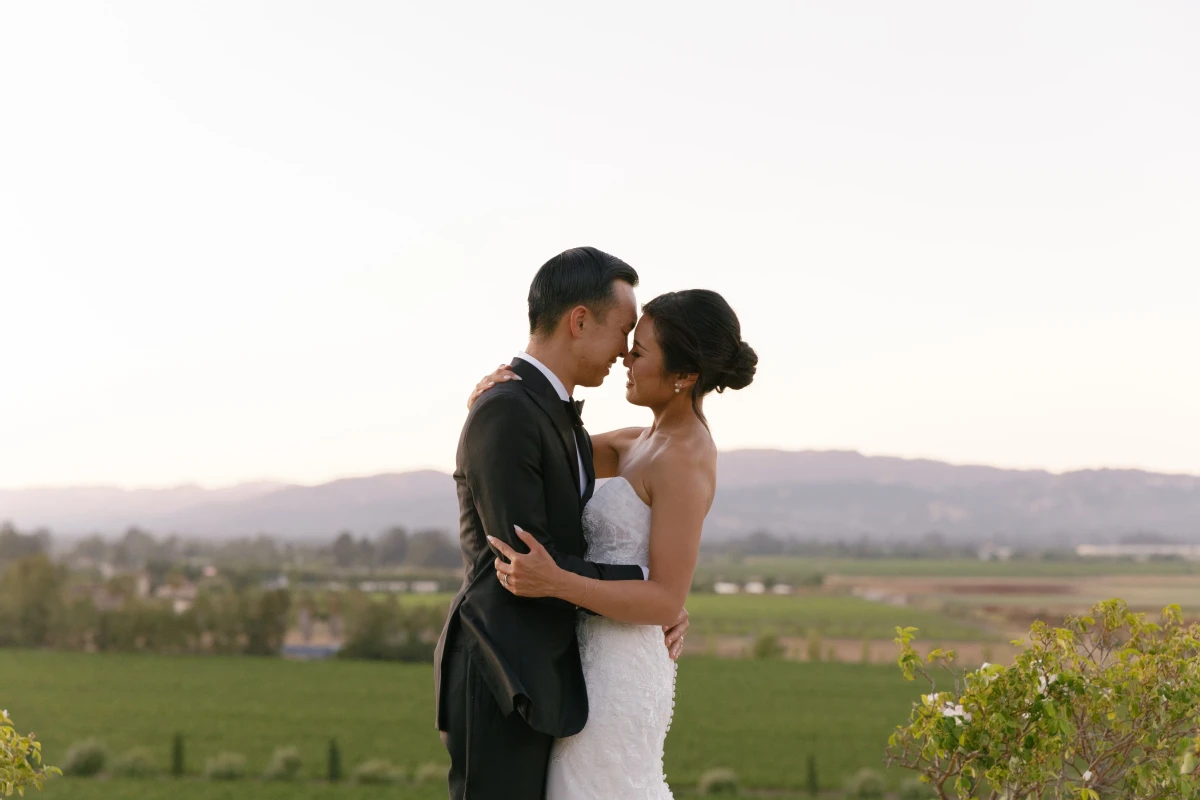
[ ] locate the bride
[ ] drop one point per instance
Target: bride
(686, 345)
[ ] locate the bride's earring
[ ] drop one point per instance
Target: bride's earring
(678, 386)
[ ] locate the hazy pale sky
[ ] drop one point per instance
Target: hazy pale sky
(246, 240)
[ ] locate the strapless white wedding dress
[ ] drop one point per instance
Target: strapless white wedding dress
(630, 676)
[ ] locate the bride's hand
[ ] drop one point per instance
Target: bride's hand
(503, 373)
(526, 575)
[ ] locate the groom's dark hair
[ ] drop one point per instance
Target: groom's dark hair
(581, 276)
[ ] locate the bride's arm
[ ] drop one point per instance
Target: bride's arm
(606, 447)
(681, 492)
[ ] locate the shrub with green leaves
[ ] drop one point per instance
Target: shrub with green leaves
(1106, 706)
(86, 758)
(915, 790)
(378, 771)
(334, 767)
(717, 782)
(767, 646)
(866, 784)
(20, 760)
(431, 773)
(225, 767)
(814, 645)
(285, 765)
(136, 763)
(177, 764)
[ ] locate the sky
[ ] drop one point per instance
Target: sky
(247, 240)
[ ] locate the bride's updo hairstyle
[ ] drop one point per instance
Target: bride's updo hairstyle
(699, 333)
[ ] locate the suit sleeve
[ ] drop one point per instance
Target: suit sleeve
(504, 474)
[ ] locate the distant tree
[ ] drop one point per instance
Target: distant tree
(392, 547)
(761, 543)
(364, 552)
(344, 549)
(30, 600)
(384, 631)
(135, 548)
(14, 544)
(266, 624)
(433, 549)
(93, 547)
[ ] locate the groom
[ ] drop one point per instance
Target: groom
(507, 675)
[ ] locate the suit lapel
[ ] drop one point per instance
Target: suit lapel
(543, 394)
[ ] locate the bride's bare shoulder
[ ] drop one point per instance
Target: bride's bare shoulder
(619, 439)
(692, 457)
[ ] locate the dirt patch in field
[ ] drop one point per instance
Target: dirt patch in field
(1004, 588)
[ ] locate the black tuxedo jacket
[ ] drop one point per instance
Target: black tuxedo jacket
(517, 465)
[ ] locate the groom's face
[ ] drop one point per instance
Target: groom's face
(605, 337)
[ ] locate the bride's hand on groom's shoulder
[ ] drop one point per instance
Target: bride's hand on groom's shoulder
(503, 373)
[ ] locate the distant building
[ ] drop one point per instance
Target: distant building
(1139, 552)
(392, 587)
(278, 582)
(182, 597)
(991, 552)
(721, 587)
(755, 587)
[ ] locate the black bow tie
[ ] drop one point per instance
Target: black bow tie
(574, 409)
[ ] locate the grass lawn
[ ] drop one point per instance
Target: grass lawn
(760, 718)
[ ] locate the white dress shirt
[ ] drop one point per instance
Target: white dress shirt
(562, 395)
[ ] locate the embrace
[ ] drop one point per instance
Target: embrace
(554, 676)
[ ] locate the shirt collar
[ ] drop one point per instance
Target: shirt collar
(550, 376)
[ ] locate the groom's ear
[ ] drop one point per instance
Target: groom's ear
(575, 320)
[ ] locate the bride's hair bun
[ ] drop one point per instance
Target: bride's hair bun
(700, 334)
(740, 372)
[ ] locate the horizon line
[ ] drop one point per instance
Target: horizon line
(283, 483)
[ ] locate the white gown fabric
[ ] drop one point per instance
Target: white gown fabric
(630, 676)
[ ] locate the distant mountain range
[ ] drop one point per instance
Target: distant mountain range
(812, 494)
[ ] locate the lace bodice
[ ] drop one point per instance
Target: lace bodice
(616, 525)
(630, 677)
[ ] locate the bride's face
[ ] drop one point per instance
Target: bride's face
(646, 384)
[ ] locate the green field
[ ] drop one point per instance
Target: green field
(839, 617)
(761, 718)
(166, 789)
(788, 569)
(835, 616)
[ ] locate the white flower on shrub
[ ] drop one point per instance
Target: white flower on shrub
(1087, 776)
(1044, 684)
(957, 712)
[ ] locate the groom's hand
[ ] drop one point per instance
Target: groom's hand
(675, 633)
